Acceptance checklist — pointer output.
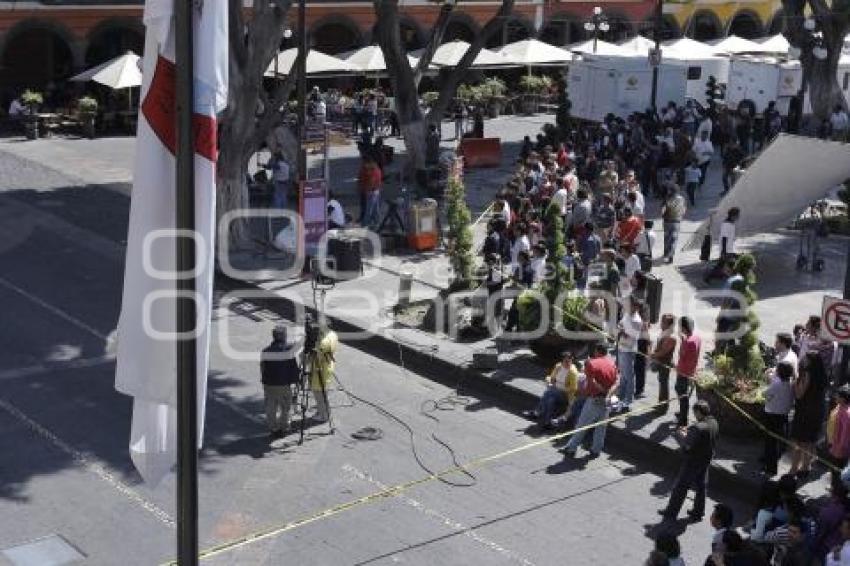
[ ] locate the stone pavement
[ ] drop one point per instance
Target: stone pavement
(364, 305)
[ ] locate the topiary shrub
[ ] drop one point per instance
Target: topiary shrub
(460, 233)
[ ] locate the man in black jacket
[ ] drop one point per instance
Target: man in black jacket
(279, 370)
(697, 442)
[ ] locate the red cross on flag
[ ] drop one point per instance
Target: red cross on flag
(147, 352)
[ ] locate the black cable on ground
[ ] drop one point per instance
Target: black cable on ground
(390, 415)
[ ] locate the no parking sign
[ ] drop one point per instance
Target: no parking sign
(836, 319)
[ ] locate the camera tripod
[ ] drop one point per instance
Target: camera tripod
(308, 363)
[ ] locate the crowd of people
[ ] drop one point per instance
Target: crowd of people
(600, 179)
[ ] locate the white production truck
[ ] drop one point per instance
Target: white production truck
(621, 86)
(755, 81)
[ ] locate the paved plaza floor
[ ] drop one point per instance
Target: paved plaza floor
(63, 214)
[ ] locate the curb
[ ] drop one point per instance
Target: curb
(619, 442)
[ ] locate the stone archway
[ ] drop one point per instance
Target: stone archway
(746, 24)
(335, 34)
(113, 38)
(621, 28)
(562, 29)
(704, 25)
(515, 29)
(461, 27)
(36, 54)
(777, 23)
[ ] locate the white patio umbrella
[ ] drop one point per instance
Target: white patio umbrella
(734, 44)
(318, 63)
(370, 59)
(638, 45)
(775, 44)
(449, 55)
(534, 53)
(602, 47)
(121, 72)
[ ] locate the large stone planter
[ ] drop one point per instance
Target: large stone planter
(88, 125)
(494, 109)
(528, 104)
(31, 127)
(732, 422)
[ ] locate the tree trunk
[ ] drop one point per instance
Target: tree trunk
(415, 134)
(251, 112)
(824, 90)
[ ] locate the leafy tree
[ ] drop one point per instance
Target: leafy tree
(460, 232)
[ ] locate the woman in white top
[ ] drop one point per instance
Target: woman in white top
(727, 232)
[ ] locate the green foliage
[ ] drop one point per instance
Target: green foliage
(430, 97)
(739, 369)
(460, 232)
(528, 310)
(87, 105)
(495, 88)
(531, 84)
(559, 281)
(31, 98)
(574, 307)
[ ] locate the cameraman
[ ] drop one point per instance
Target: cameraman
(280, 371)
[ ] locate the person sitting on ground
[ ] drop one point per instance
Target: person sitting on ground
(561, 387)
(336, 214)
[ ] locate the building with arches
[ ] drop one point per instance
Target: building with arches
(46, 41)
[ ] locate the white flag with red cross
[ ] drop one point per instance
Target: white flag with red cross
(147, 351)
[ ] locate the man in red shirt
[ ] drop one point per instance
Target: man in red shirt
(689, 351)
(600, 383)
(369, 182)
(629, 227)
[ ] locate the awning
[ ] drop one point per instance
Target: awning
(735, 44)
(687, 48)
(638, 45)
(121, 72)
(775, 44)
(790, 174)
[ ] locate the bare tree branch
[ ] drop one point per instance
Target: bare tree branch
(438, 30)
(450, 83)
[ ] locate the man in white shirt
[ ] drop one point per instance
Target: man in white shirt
(645, 242)
(630, 329)
(336, 214)
(727, 232)
(704, 150)
(280, 179)
(521, 244)
(560, 197)
(631, 262)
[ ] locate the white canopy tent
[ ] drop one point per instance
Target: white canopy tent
(318, 63)
(535, 53)
(734, 44)
(121, 72)
(775, 44)
(638, 45)
(370, 59)
(779, 185)
(449, 55)
(602, 48)
(686, 48)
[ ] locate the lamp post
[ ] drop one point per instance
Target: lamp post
(301, 69)
(655, 56)
(597, 24)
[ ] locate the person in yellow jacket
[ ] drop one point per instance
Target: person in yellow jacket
(561, 388)
(322, 371)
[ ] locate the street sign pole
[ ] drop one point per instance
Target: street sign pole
(187, 374)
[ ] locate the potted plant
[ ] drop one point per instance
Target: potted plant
(32, 100)
(430, 97)
(736, 370)
(87, 107)
(532, 88)
(495, 90)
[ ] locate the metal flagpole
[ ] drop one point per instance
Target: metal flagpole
(655, 59)
(187, 398)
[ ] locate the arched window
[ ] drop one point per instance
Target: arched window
(35, 56)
